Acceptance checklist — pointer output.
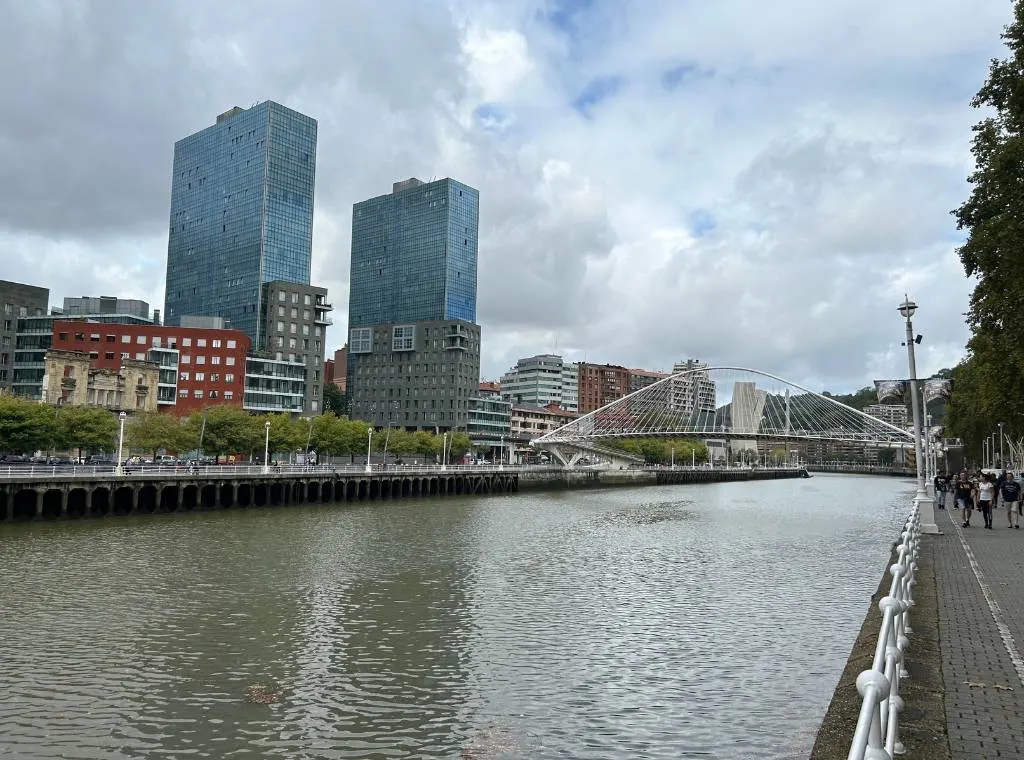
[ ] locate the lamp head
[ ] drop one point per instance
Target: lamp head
(907, 308)
(267, 424)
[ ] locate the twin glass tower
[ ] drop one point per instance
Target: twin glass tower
(241, 214)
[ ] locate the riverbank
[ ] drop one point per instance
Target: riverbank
(923, 727)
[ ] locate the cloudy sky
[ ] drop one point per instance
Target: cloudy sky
(659, 179)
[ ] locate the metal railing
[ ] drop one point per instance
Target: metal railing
(877, 734)
(40, 471)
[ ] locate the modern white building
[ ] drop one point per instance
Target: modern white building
(542, 380)
(693, 394)
(894, 414)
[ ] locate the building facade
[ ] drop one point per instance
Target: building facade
(641, 378)
(693, 394)
(71, 379)
(340, 374)
(197, 367)
(87, 306)
(529, 422)
(490, 422)
(17, 301)
(542, 380)
(296, 318)
(601, 384)
(274, 385)
(894, 414)
(414, 346)
(241, 214)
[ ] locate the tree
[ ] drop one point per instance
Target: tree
(25, 426)
(886, 457)
(993, 217)
(87, 428)
(152, 431)
(286, 435)
(335, 400)
(228, 430)
(458, 445)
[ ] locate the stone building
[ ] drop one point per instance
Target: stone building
(69, 381)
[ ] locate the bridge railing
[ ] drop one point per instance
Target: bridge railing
(168, 471)
(877, 732)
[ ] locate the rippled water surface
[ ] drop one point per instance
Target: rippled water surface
(667, 622)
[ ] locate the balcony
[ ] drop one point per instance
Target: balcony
(322, 319)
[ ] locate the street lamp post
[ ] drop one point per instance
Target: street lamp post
(369, 442)
(1002, 462)
(266, 447)
(673, 458)
(444, 452)
(907, 309)
(501, 454)
(120, 444)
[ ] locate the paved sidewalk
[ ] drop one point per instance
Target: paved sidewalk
(979, 577)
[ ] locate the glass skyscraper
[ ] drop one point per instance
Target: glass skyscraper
(241, 214)
(414, 345)
(414, 254)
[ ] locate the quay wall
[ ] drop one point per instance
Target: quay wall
(922, 723)
(25, 498)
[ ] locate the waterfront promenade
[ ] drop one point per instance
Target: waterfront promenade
(979, 580)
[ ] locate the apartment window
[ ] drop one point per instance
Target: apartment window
(200, 359)
(124, 356)
(214, 378)
(111, 339)
(200, 377)
(140, 357)
(216, 343)
(94, 338)
(108, 355)
(186, 342)
(183, 393)
(232, 344)
(197, 393)
(229, 378)
(305, 314)
(280, 311)
(214, 360)
(295, 313)
(183, 376)
(230, 361)
(280, 327)
(295, 297)
(316, 331)
(228, 395)
(213, 394)
(305, 330)
(402, 337)
(360, 340)
(279, 341)
(156, 342)
(186, 358)
(8, 308)
(291, 343)
(201, 342)
(140, 339)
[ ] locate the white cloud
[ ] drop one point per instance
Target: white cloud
(752, 188)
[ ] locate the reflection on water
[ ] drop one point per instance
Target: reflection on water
(670, 622)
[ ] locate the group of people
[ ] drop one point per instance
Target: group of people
(983, 491)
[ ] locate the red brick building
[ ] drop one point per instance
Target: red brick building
(199, 367)
(600, 384)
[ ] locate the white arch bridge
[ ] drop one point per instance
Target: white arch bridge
(733, 410)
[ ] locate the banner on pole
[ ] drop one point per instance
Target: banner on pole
(890, 389)
(936, 388)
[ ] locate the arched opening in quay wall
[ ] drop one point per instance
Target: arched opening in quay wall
(227, 495)
(124, 501)
(326, 491)
(100, 502)
(169, 499)
(53, 504)
(276, 494)
(147, 499)
(25, 504)
(78, 503)
(243, 495)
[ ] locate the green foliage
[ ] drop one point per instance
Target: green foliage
(857, 400)
(334, 400)
(989, 384)
(87, 428)
(886, 457)
(25, 426)
(286, 435)
(660, 450)
(152, 431)
(228, 430)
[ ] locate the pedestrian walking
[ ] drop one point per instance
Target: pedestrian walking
(941, 487)
(986, 495)
(1010, 494)
(963, 492)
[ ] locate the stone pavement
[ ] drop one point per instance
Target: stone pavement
(979, 577)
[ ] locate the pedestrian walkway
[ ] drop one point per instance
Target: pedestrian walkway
(979, 577)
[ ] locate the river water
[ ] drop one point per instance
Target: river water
(707, 621)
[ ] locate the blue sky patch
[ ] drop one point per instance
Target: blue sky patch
(684, 74)
(595, 91)
(702, 223)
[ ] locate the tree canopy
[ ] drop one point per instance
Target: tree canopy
(989, 384)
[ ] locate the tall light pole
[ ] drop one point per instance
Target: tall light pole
(672, 458)
(444, 455)
(120, 444)
(266, 447)
(369, 442)
(907, 309)
(1002, 463)
(501, 454)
